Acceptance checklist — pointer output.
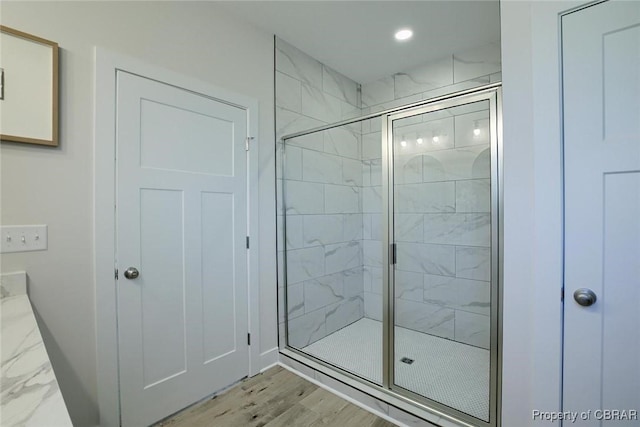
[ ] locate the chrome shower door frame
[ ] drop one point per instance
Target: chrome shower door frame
(388, 391)
(493, 96)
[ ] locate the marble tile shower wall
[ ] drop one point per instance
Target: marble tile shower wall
(325, 183)
(442, 287)
(323, 198)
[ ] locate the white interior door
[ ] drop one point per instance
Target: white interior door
(181, 222)
(601, 74)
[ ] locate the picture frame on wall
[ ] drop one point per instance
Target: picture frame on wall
(28, 88)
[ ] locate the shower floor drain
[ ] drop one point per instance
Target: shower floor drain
(406, 360)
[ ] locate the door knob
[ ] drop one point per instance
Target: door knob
(585, 297)
(131, 273)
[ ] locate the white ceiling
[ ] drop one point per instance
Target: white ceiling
(356, 37)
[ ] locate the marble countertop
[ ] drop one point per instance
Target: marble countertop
(30, 395)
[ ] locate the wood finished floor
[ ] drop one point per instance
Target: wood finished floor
(275, 398)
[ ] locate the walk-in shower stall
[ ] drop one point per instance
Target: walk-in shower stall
(392, 251)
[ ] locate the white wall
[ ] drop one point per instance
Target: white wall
(55, 186)
(532, 322)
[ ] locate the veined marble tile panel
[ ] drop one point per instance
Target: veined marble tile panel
(351, 172)
(376, 171)
(407, 168)
(458, 229)
(343, 141)
(344, 313)
(305, 264)
(481, 80)
(293, 162)
(342, 256)
(321, 167)
(457, 87)
(474, 107)
(473, 296)
(323, 291)
(372, 146)
(295, 300)
(353, 282)
(425, 197)
(366, 226)
(473, 195)
(352, 227)
(322, 229)
(473, 329)
(371, 125)
(409, 286)
(399, 102)
(348, 111)
(432, 75)
(425, 258)
(473, 263)
(288, 92)
(460, 163)
(409, 227)
(297, 64)
(461, 294)
(372, 250)
(427, 318)
(304, 197)
(307, 329)
(465, 126)
(479, 61)
(376, 226)
(366, 173)
(372, 279)
(294, 232)
(339, 86)
(289, 122)
(378, 92)
(440, 290)
(373, 306)
(320, 106)
(372, 172)
(341, 199)
(372, 199)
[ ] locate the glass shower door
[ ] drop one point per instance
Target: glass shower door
(443, 262)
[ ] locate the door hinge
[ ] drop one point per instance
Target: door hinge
(562, 294)
(248, 339)
(247, 242)
(392, 253)
(247, 141)
(116, 274)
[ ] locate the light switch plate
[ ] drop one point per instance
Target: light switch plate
(23, 238)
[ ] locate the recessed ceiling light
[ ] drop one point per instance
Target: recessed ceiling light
(404, 34)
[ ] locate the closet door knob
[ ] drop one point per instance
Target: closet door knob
(131, 273)
(585, 297)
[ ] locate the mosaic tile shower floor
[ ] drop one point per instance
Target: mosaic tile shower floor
(446, 371)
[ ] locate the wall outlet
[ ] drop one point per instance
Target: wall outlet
(23, 238)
